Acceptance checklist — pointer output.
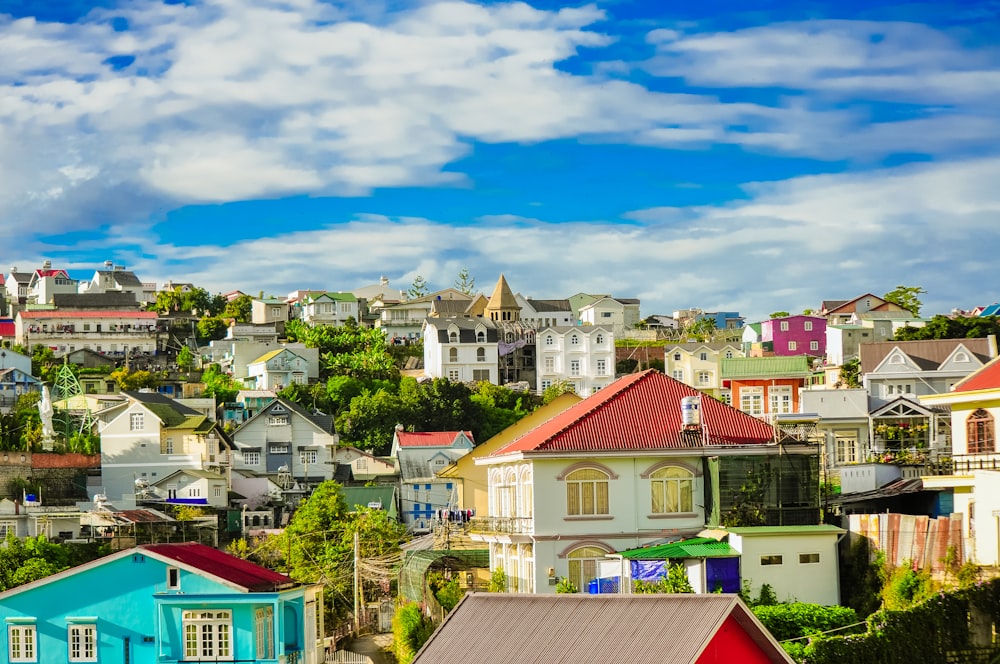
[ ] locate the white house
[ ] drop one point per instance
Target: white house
(914, 368)
(584, 356)
(329, 309)
(461, 349)
(404, 320)
(277, 369)
(619, 313)
(699, 364)
(546, 313)
(108, 331)
(189, 486)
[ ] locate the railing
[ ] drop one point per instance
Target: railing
(966, 463)
(510, 525)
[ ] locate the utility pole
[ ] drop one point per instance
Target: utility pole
(357, 585)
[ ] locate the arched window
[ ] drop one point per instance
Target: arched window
(587, 492)
(549, 340)
(574, 340)
(672, 490)
(599, 339)
(481, 336)
(981, 432)
(453, 336)
(480, 355)
(525, 501)
(583, 565)
(453, 355)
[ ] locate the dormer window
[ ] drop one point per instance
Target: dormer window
(961, 357)
(574, 340)
(549, 340)
(453, 336)
(481, 336)
(599, 339)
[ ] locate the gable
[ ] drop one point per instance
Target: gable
(986, 378)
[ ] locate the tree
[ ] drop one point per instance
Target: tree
(946, 327)
(212, 328)
(418, 288)
(239, 309)
(465, 282)
(129, 381)
(701, 329)
(185, 358)
(907, 297)
(780, 314)
(557, 388)
(850, 373)
(219, 384)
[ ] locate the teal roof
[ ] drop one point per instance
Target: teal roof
(766, 367)
(361, 496)
(698, 547)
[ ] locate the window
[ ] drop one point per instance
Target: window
(453, 336)
(6, 528)
(345, 307)
(453, 375)
(173, 578)
(729, 354)
(574, 368)
(961, 357)
(480, 355)
(218, 492)
(677, 357)
(194, 492)
(574, 340)
(677, 374)
(278, 421)
(251, 458)
(847, 446)
(672, 490)
(752, 400)
(135, 422)
(550, 364)
(549, 340)
(703, 357)
(480, 375)
(279, 448)
(780, 398)
(813, 345)
(704, 377)
(792, 345)
(602, 367)
(981, 432)
(605, 314)
(546, 384)
(169, 446)
(21, 643)
(808, 558)
(807, 326)
(207, 634)
(784, 326)
(586, 492)
(480, 337)
(583, 564)
(453, 355)
(82, 641)
(770, 560)
(307, 456)
(599, 339)
(264, 628)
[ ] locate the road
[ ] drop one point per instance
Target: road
(374, 646)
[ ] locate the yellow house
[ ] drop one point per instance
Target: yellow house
(470, 479)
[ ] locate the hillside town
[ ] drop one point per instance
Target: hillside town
(269, 477)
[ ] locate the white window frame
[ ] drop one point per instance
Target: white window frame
(752, 400)
(814, 345)
(22, 643)
(277, 421)
(264, 629)
(251, 458)
(807, 326)
(208, 635)
(793, 345)
(453, 375)
(784, 326)
(574, 367)
(135, 422)
(602, 368)
(308, 457)
(81, 640)
(279, 448)
(780, 399)
(671, 491)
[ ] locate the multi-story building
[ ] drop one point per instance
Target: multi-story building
(583, 356)
(404, 321)
(420, 455)
(766, 386)
(461, 349)
(330, 309)
(109, 331)
(699, 364)
(619, 314)
(795, 335)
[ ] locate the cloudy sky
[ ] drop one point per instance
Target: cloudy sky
(754, 155)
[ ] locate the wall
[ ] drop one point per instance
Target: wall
(792, 580)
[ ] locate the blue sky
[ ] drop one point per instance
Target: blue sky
(753, 156)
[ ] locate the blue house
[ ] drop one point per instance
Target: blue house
(163, 603)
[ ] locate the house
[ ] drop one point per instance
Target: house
(766, 386)
(190, 486)
(151, 436)
(583, 356)
(277, 369)
(114, 332)
(420, 456)
(915, 368)
(843, 424)
(621, 469)
(365, 466)
(972, 481)
(681, 629)
(164, 603)
(16, 285)
(329, 309)
(404, 321)
(795, 335)
(15, 377)
(471, 479)
(461, 349)
(546, 313)
(699, 364)
(46, 282)
(843, 342)
(57, 523)
(841, 312)
(722, 320)
(285, 437)
(373, 497)
(269, 311)
(619, 313)
(516, 337)
(115, 278)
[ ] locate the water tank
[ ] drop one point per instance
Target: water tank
(691, 411)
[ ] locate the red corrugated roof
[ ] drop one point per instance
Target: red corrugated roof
(89, 314)
(429, 438)
(52, 273)
(986, 378)
(220, 564)
(641, 411)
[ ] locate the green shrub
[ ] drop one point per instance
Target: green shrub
(565, 586)
(446, 591)
(906, 587)
(498, 581)
(797, 619)
(410, 631)
(676, 581)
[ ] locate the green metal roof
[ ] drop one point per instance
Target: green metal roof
(361, 496)
(821, 529)
(766, 367)
(698, 547)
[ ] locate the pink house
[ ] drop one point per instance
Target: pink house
(795, 335)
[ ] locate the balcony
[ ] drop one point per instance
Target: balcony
(502, 525)
(964, 464)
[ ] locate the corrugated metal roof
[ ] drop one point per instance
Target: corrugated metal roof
(698, 547)
(429, 438)
(504, 628)
(986, 378)
(926, 353)
(222, 565)
(641, 411)
(146, 315)
(766, 367)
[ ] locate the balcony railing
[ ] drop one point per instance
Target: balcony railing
(506, 525)
(963, 464)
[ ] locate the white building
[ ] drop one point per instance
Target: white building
(582, 355)
(277, 369)
(461, 349)
(619, 313)
(108, 331)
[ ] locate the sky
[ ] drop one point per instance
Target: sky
(752, 156)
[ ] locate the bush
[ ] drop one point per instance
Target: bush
(565, 586)
(410, 631)
(498, 581)
(797, 619)
(446, 591)
(676, 581)
(906, 587)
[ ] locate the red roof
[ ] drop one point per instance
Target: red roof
(986, 377)
(52, 273)
(641, 411)
(88, 314)
(7, 328)
(430, 438)
(222, 565)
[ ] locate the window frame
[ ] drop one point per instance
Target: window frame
(681, 480)
(980, 432)
(136, 422)
(264, 632)
(86, 646)
(26, 642)
(219, 646)
(581, 490)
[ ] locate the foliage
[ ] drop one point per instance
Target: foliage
(946, 327)
(626, 366)
(765, 596)
(44, 364)
(130, 381)
(33, 558)
(239, 309)
(850, 373)
(212, 328)
(220, 385)
(797, 619)
(185, 358)
(700, 329)
(676, 581)
(410, 631)
(905, 587)
(446, 591)
(21, 426)
(748, 502)
(907, 297)
(196, 300)
(657, 364)
(780, 314)
(556, 389)
(465, 282)
(418, 288)
(498, 581)
(862, 575)
(565, 586)
(189, 512)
